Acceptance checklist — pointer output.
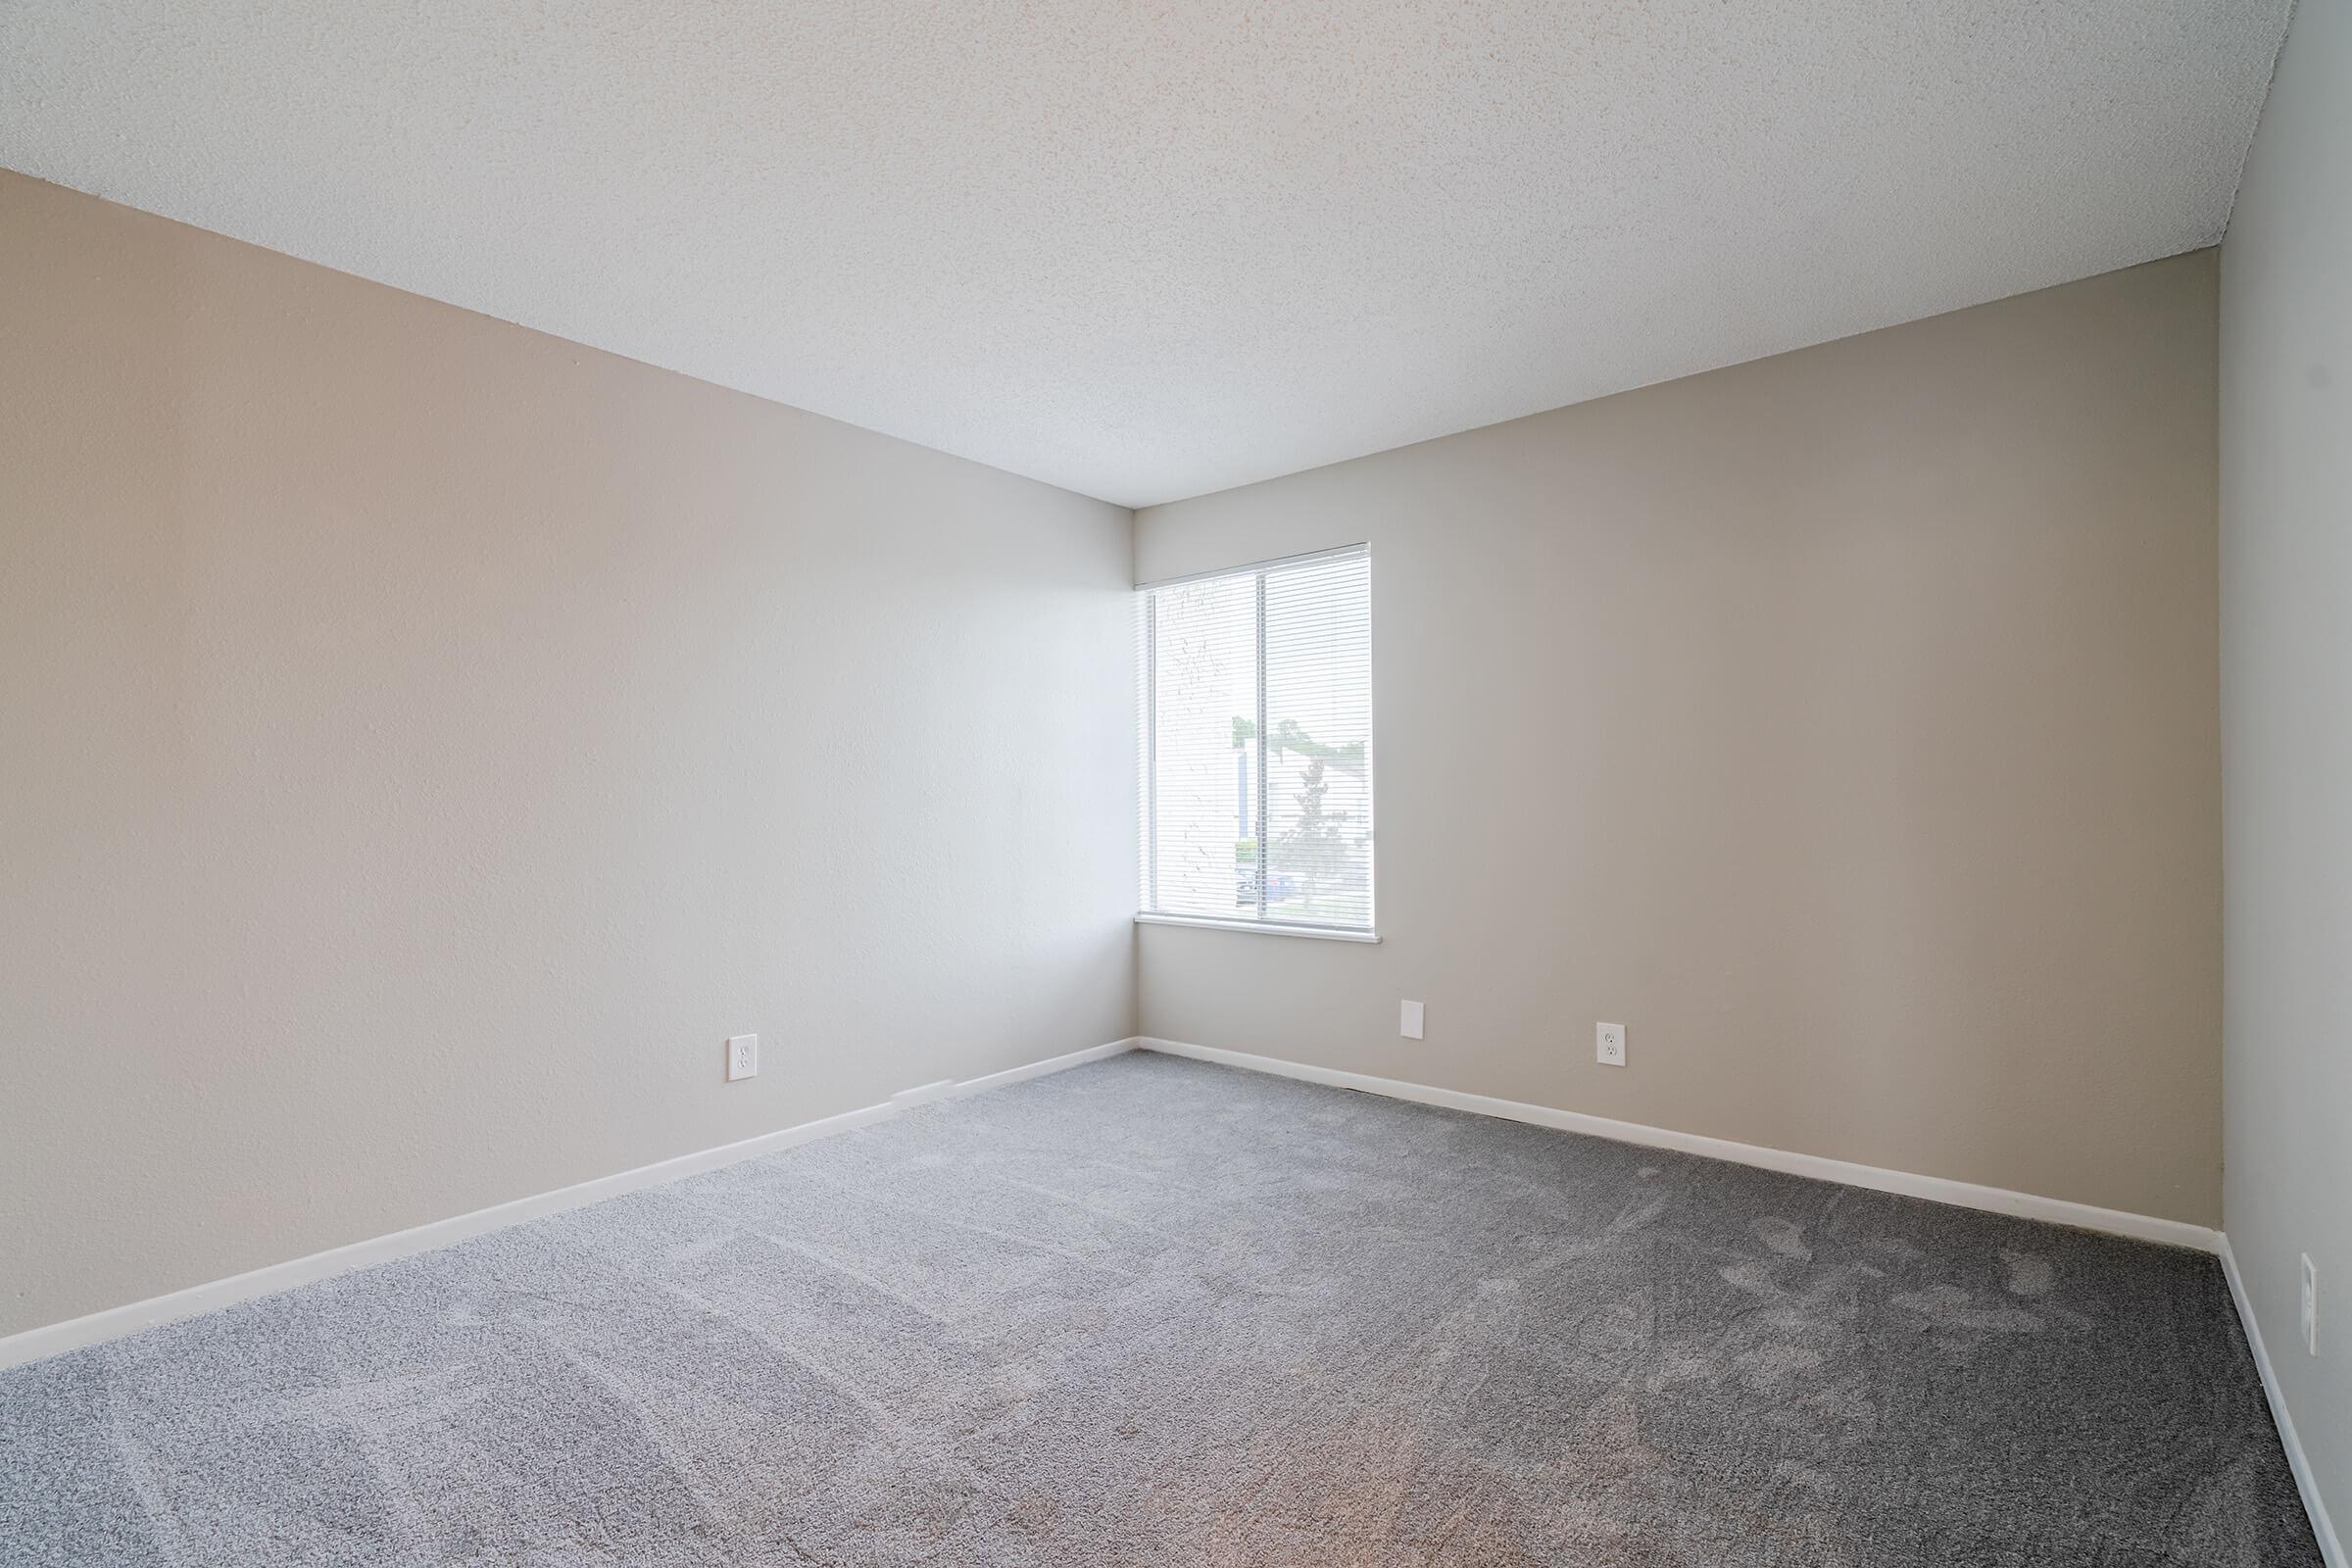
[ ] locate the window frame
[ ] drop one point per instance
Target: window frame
(1148, 757)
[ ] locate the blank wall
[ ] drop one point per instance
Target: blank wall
(2286, 644)
(426, 741)
(1843, 723)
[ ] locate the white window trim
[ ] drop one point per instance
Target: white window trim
(1150, 654)
(1263, 928)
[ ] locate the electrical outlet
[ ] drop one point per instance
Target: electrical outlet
(743, 1056)
(1408, 1020)
(2311, 1308)
(1608, 1043)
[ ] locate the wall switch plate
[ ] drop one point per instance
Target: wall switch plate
(743, 1056)
(2310, 1318)
(1408, 1020)
(1608, 1043)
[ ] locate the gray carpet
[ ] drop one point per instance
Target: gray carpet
(1156, 1313)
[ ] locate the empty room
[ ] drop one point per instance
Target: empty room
(1428, 784)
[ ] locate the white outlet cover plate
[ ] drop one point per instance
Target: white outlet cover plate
(1608, 1043)
(743, 1056)
(1408, 1020)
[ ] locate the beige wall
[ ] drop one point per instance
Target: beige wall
(1843, 723)
(426, 740)
(2286, 734)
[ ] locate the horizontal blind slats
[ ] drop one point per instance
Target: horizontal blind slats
(1205, 662)
(1202, 840)
(1318, 679)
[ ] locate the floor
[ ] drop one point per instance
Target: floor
(1155, 1312)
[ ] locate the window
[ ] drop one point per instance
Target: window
(1256, 752)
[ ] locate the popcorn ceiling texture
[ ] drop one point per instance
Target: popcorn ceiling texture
(1145, 252)
(1157, 1314)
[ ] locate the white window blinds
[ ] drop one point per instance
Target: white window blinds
(1256, 754)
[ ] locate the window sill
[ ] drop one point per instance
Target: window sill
(1264, 928)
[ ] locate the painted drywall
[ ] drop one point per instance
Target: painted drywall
(426, 741)
(2287, 730)
(1843, 723)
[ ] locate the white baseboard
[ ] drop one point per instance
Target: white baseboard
(55, 1339)
(2306, 1483)
(1967, 1195)
(1039, 1069)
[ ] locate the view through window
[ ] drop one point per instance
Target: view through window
(1256, 749)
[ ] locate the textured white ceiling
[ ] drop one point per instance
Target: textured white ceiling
(1150, 250)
